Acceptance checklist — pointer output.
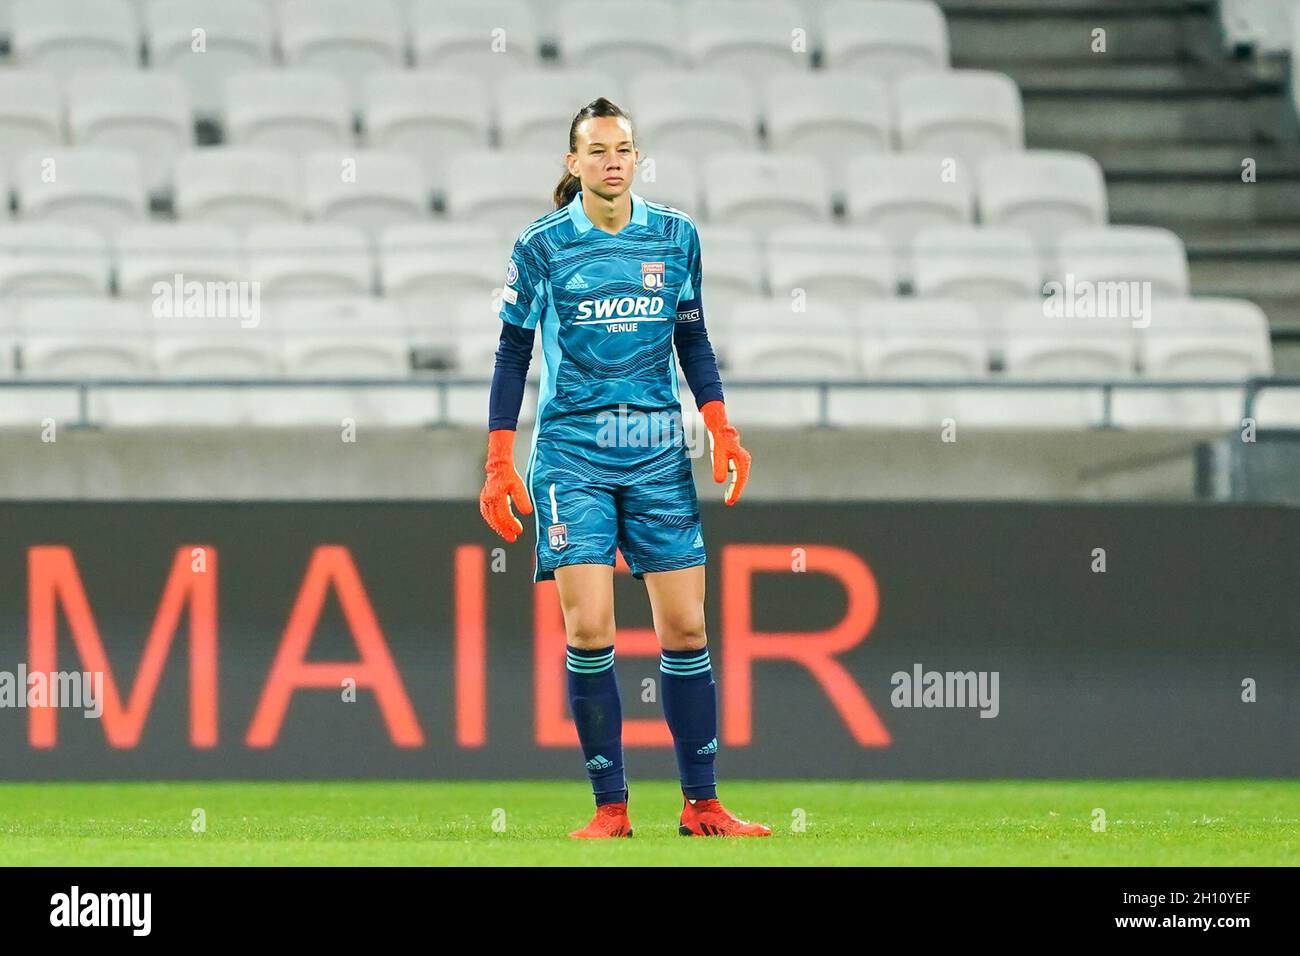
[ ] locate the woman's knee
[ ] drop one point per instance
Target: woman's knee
(683, 634)
(589, 631)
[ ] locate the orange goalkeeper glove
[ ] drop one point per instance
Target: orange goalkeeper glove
(503, 484)
(728, 455)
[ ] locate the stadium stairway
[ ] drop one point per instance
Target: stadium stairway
(1173, 118)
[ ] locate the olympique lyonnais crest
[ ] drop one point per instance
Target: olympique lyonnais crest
(558, 535)
(652, 275)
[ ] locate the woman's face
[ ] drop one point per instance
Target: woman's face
(606, 157)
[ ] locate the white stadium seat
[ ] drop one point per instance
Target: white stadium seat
(1044, 191)
(345, 314)
(734, 272)
(534, 108)
(921, 339)
(364, 353)
(886, 38)
(899, 195)
(146, 113)
(150, 253)
(733, 260)
(1277, 408)
(1193, 340)
(429, 115)
(324, 337)
(233, 353)
(912, 339)
(1205, 338)
(294, 110)
(430, 269)
(781, 343)
(477, 332)
(829, 117)
(238, 36)
(1263, 26)
(765, 191)
(624, 38)
(754, 38)
(837, 263)
(31, 114)
(66, 35)
(473, 331)
(487, 37)
(369, 189)
(237, 185)
(979, 264)
(316, 259)
(53, 259)
(32, 407)
(1125, 254)
(669, 178)
(508, 190)
(343, 38)
(331, 338)
(966, 114)
(701, 112)
(100, 188)
(85, 338)
(1037, 346)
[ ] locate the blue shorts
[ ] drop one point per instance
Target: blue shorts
(656, 525)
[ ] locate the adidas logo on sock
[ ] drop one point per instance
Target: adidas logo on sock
(577, 282)
(710, 748)
(599, 762)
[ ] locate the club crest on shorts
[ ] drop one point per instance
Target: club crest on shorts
(652, 275)
(558, 535)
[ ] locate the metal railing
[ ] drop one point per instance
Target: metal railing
(1251, 388)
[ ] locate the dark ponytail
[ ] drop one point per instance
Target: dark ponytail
(569, 184)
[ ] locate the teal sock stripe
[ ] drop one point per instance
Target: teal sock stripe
(589, 665)
(685, 666)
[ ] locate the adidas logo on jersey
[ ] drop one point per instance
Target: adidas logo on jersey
(577, 282)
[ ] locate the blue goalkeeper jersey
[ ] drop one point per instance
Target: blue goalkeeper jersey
(607, 307)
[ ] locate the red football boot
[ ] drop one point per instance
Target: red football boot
(711, 818)
(610, 821)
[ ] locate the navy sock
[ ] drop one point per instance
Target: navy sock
(691, 709)
(598, 714)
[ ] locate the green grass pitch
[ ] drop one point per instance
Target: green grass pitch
(1012, 822)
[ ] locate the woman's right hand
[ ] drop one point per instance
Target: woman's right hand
(503, 484)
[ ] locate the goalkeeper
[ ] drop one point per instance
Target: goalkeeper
(613, 283)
